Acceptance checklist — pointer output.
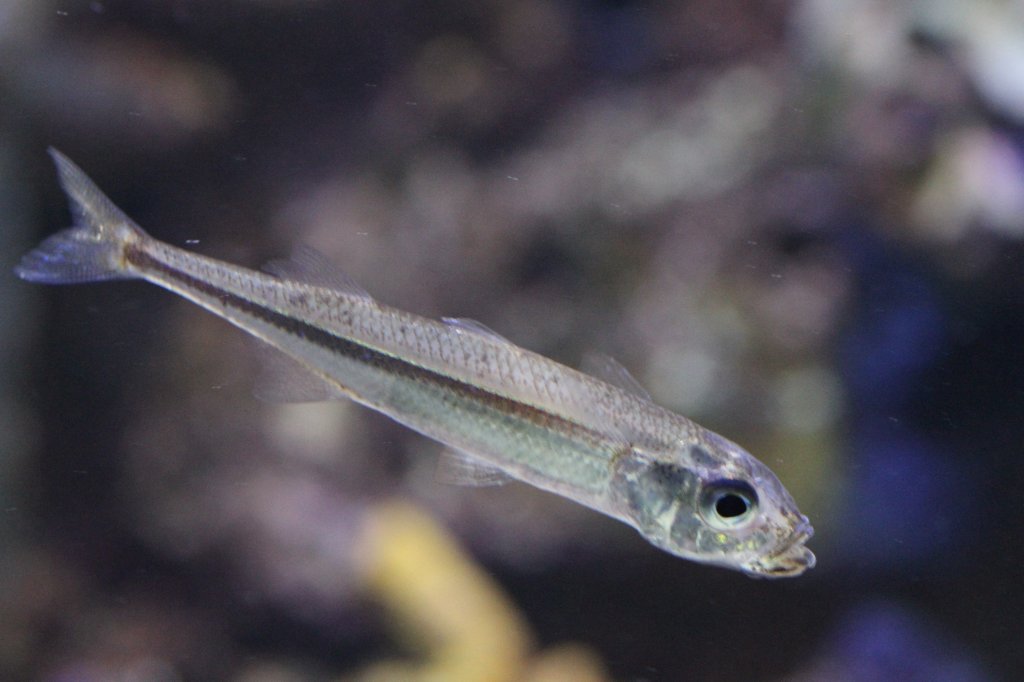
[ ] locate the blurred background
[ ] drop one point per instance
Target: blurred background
(799, 223)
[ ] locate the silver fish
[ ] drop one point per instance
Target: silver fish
(504, 411)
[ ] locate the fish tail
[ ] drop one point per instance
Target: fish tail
(93, 248)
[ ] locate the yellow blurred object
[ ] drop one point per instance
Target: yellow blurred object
(441, 601)
(566, 663)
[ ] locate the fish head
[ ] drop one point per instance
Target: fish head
(710, 501)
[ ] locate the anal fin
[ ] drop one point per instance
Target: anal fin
(283, 380)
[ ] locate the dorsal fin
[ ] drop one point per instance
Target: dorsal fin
(474, 327)
(608, 369)
(460, 468)
(309, 266)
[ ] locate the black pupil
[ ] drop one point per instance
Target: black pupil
(730, 505)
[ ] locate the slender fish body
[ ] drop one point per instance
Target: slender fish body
(504, 412)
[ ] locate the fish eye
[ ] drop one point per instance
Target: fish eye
(728, 504)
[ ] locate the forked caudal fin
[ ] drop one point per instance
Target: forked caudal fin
(89, 251)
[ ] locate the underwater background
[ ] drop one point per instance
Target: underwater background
(799, 223)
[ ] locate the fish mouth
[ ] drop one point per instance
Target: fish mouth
(789, 560)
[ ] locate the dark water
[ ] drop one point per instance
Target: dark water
(802, 227)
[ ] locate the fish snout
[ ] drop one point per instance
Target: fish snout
(791, 559)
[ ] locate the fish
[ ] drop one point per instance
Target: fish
(503, 412)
